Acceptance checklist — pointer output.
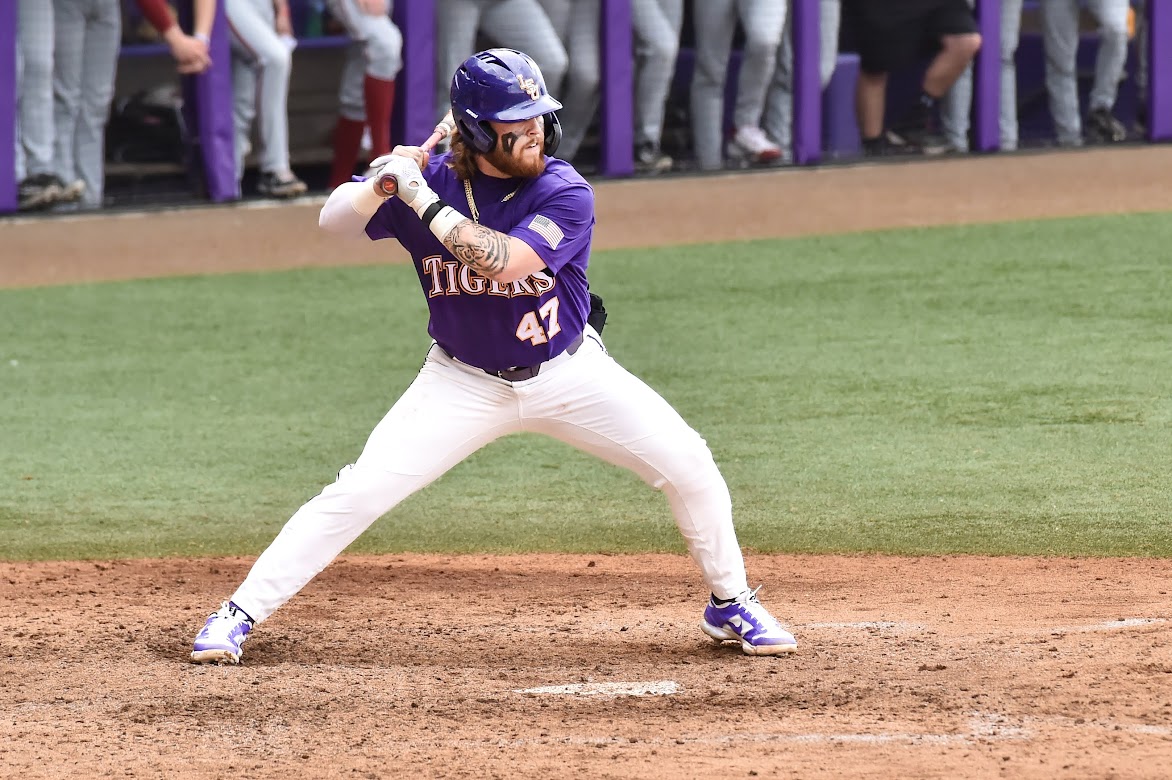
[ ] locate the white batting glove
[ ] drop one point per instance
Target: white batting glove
(410, 185)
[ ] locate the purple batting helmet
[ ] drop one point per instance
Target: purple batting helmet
(501, 85)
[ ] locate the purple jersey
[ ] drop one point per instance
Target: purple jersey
(497, 326)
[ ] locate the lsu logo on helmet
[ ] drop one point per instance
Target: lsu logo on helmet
(529, 86)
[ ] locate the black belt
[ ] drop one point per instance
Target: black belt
(521, 373)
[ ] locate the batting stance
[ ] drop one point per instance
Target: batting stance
(500, 237)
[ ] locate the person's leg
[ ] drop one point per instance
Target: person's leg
(523, 25)
(778, 119)
(762, 22)
(1010, 34)
(657, 44)
(406, 452)
(1060, 41)
(456, 25)
(35, 100)
(1102, 126)
(871, 103)
(956, 109)
(578, 25)
(252, 26)
(715, 23)
(347, 137)
(103, 37)
(68, 71)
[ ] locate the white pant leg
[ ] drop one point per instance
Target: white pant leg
(68, 67)
(657, 25)
(352, 83)
(581, 32)
(523, 25)
(594, 404)
(763, 22)
(715, 23)
(255, 43)
(456, 24)
(1060, 39)
(409, 449)
(1112, 56)
(383, 43)
(778, 119)
(34, 89)
(103, 36)
(1010, 35)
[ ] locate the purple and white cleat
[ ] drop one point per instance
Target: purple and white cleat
(221, 637)
(744, 619)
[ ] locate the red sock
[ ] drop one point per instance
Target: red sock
(380, 97)
(347, 139)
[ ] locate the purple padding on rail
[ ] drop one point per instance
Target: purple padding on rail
(987, 78)
(7, 107)
(207, 103)
(415, 113)
(1160, 70)
(618, 90)
(807, 82)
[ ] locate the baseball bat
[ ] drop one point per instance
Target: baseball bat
(445, 127)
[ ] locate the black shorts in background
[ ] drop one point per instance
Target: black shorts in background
(893, 34)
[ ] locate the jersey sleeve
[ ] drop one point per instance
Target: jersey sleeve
(385, 221)
(560, 226)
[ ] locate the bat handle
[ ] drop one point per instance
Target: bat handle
(388, 184)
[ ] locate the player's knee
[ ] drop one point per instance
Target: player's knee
(963, 46)
(1114, 31)
(384, 57)
(663, 52)
(276, 61)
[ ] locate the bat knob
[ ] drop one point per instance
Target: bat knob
(388, 185)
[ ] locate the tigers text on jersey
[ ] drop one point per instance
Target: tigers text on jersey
(487, 324)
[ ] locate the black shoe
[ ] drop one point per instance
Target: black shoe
(920, 133)
(649, 159)
(1104, 128)
(280, 185)
(39, 191)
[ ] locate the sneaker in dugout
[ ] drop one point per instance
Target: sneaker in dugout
(1104, 128)
(39, 191)
(743, 619)
(280, 185)
(650, 159)
(222, 635)
(750, 144)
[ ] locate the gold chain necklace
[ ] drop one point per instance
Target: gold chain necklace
(472, 201)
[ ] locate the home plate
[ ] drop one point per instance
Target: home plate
(653, 688)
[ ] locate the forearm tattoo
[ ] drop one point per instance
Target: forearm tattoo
(484, 250)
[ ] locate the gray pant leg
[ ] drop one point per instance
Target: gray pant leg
(762, 21)
(1112, 56)
(381, 39)
(523, 25)
(1060, 39)
(957, 104)
(68, 66)
(456, 24)
(779, 104)
(243, 110)
(351, 85)
(255, 41)
(35, 86)
(715, 23)
(578, 22)
(657, 25)
(100, 62)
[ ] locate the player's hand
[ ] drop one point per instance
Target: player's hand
(190, 53)
(416, 153)
(372, 7)
(407, 175)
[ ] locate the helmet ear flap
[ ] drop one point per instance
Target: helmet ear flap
(479, 135)
(553, 133)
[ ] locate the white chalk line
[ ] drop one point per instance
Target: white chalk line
(652, 688)
(1110, 625)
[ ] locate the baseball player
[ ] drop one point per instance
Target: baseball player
(261, 63)
(500, 236)
(715, 22)
(87, 36)
(366, 94)
(1060, 40)
(521, 24)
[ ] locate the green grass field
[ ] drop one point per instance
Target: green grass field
(996, 389)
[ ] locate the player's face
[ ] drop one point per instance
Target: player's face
(520, 148)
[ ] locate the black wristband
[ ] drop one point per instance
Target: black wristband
(430, 212)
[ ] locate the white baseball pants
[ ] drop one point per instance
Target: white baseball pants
(586, 400)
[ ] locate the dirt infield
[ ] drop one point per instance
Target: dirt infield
(593, 666)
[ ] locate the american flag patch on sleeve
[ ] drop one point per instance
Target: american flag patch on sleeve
(544, 227)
